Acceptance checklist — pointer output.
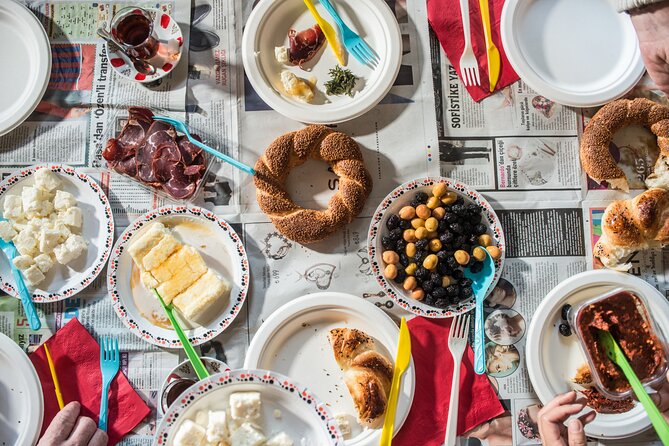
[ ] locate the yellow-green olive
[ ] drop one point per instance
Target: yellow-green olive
(435, 245)
(411, 249)
(494, 252)
(423, 211)
(409, 235)
(390, 272)
(411, 269)
(418, 294)
(409, 283)
(479, 254)
(407, 212)
(449, 198)
(417, 223)
(446, 281)
(485, 240)
(461, 256)
(431, 224)
(420, 233)
(438, 213)
(430, 262)
(433, 203)
(390, 257)
(439, 189)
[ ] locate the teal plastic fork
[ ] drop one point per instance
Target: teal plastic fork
(352, 41)
(109, 365)
(181, 127)
(481, 281)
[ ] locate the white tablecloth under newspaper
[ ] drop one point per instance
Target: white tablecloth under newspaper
(516, 147)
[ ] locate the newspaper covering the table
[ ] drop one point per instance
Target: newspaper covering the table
(516, 147)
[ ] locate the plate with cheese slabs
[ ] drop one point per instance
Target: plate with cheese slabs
(196, 262)
(22, 402)
(294, 340)
(249, 407)
(61, 223)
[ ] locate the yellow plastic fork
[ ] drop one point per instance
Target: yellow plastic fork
(328, 32)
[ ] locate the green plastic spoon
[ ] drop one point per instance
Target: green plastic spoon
(193, 357)
(615, 353)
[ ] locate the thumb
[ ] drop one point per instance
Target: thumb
(576, 434)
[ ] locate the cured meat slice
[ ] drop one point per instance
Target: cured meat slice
(304, 44)
(189, 151)
(194, 169)
(167, 154)
(132, 135)
(127, 166)
(179, 185)
(147, 153)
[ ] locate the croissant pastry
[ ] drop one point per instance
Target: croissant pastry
(367, 373)
(633, 225)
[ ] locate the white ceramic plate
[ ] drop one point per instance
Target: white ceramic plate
(223, 252)
(169, 53)
(21, 402)
(293, 341)
(267, 27)
(64, 281)
(402, 196)
(575, 52)
(25, 80)
(304, 418)
(552, 359)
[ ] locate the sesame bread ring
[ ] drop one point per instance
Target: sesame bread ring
(596, 159)
(287, 151)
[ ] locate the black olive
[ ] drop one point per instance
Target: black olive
(440, 293)
(466, 247)
(393, 222)
(400, 245)
(458, 274)
(421, 244)
(420, 256)
(452, 263)
(443, 255)
(459, 200)
(453, 290)
(419, 198)
(466, 292)
(450, 217)
(456, 227)
(427, 287)
(565, 330)
(459, 210)
(480, 229)
(387, 243)
(444, 269)
(435, 278)
(404, 259)
(405, 224)
(459, 241)
(476, 267)
(442, 226)
(446, 238)
(466, 282)
(422, 273)
(428, 299)
(475, 218)
(473, 240)
(395, 234)
(441, 303)
(473, 208)
(565, 312)
(401, 275)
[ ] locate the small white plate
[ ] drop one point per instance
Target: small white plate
(169, 53)
(223, 252)
(304, 418)
(267, 27)
(552, 359)
(575, 52)
(293, 341)
(402, 196)
(64, 281)
(26, 77)
(21, 401)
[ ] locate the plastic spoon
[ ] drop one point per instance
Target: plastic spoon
(26, 296)
(198, 366)
(616, 354)
(481, 281)
(181, 127)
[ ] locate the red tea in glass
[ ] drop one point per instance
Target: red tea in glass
(132, 28)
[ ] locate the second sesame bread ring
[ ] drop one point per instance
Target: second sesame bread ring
(287, 151)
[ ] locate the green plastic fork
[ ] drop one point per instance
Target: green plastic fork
(616, 354)
(353, 42)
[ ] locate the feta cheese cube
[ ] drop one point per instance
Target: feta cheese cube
(280, 439)
(47, 180)
(201, 417)
(63, 230)
(247, 435)
(217, 427)
(7, 232)
(189, 434)
(71, 217)
(44, 262)
(63, 200)
(245, 405)
(23, 262)
(70, 249)
(43, 210)
(13, 207)
(26, 242)
(49, 239)
(281, 54)
(32, 199)
(36, 224)
(343, 423)
(33, 275)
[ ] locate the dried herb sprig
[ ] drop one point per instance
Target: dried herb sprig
(342, 81)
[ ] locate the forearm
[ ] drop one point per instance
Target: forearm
(626, 5)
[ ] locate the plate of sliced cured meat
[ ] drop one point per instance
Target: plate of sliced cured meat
(153, 154)
(294, 70)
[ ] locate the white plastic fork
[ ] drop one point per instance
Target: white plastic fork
(469, 67)
(457, 342)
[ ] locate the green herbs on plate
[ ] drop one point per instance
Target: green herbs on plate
(342, 81)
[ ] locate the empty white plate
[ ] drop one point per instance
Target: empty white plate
(21, 403)
(575, 52)
(26, 75)
(552, 359)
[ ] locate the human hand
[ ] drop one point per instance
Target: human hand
(554, 414)
(652, 28)
(69, 429)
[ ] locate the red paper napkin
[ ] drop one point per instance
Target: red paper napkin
(76, 357)
(446, 21)
(426, 424)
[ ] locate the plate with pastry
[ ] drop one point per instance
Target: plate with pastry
(302, 69)
(341, 347)
(248, 407)
(193, 259)
(421, 238)
(563, 355)
(61, 223)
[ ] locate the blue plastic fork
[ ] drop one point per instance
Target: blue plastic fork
(24, 294)
(109, 365)
(181, 127)
(353, 42)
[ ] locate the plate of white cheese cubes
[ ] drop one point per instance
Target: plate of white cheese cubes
(61, 223)
(248, 408)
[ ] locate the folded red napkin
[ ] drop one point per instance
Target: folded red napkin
(426, 424)
(76, 357)
(446, 21)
